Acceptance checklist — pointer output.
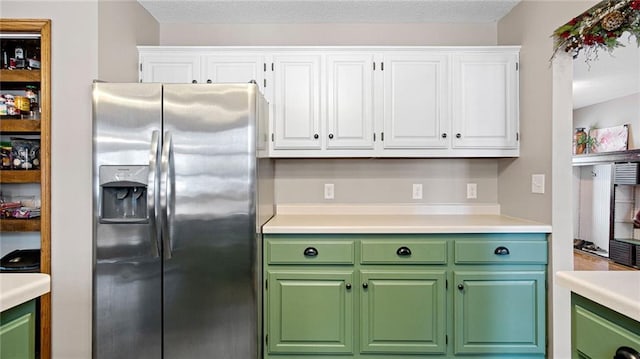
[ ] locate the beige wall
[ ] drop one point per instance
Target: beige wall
(545, 123)
(122, 25)
(620, 111)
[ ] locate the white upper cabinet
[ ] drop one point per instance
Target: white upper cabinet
(485, 101)
(170, 67)
(356, 101)
(296, 105)
(415, 114)
(349, 103)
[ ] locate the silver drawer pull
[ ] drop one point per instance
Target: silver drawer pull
(501, 251)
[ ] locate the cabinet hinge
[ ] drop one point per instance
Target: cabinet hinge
(517, 66)
(382, 66)
(266, 339)
(264, 67)
(273, 137)
(265, 82)
(517, 136)
(266, 284)
(382, 136)
(374, 137)
(272, 66)
(374, 66)
(141, 67)
(446, 339)
(446, 284)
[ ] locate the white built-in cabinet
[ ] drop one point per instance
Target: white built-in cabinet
(366, 101)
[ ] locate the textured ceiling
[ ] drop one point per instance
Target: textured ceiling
(327, 11)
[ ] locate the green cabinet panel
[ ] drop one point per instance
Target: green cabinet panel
(598, 332)
(508, 252)
(499, 312)
(402, 312)
(404, 251)
(17, 332)
(310, 312)
(309, 252)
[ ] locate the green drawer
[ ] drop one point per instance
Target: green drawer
(309, 252)
(596, 337)
(528, 252)
(404, 252)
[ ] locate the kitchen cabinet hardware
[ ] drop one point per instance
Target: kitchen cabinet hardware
(348, 286)
(331, 136)
(209, 81)
(374, 66)
(382, 66)
(272, 66)
(626, 353)
(315, 136)
(461, 286)
(444, 135)
(382, 136)
(458, 135)
(501, 251)
(403, 251)
(310, 252)
(194, 81)
(264, 67)
(374, 137)
(365, 285)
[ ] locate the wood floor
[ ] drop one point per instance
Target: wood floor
(587, 261)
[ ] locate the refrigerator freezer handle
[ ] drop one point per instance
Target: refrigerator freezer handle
(166, 192)
(152, 193)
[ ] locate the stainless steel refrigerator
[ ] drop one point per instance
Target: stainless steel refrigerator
(181, 188)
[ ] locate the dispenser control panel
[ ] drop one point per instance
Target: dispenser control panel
(123, 194)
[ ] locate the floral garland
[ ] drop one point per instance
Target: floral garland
(598, 28)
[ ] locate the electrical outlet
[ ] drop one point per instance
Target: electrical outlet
(328, 191)
(537, 184)
(472, 191)
(417, 191)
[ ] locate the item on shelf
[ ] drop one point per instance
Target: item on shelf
(23, 103)
(33, 64)
(25, 153)
(609, 139)
(579, 141)
(5, 155)
(21, 260)
(26, 212)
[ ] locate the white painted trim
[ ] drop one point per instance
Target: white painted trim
(388, 209)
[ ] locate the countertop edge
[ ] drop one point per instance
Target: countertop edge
(629, 307)
(21, 288)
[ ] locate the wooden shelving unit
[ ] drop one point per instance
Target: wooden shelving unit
(42, 128)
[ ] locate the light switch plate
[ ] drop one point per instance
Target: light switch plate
(537, 183)
(328, 191)
(417, 191)
(472, 190)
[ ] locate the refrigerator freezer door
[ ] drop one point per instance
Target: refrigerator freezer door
(211, 282)
(127, 304)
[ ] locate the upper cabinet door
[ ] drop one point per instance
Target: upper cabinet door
(229, 68)
(296, 103)
(415, 101)
(170, 67)
(349, 101)
(485, 101)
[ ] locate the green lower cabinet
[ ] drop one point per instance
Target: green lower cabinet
(310, 312)
(499, 312)
(402, 312)
(18, 332)
(599, 332)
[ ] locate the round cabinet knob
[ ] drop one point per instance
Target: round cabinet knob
(626, 353)
(403, 251)
(444, 135)
(348, 285)
(331, 136)
(194, 82)
(316, 136)
(365, 285)
(501, 251)
(209, 81)
(310, 252)
(461, 286)
(458, 135)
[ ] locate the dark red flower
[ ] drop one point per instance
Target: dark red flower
(635, 5)
(565, 34)
(575, 20)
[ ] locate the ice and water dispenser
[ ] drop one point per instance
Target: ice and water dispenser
(123, 194)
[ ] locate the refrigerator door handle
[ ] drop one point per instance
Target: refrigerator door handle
(166, 193)
(152, 193)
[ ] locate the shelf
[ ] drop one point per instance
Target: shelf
(607, 157)
(17, 176)
(19, 225)
(19, 126)
(20, 75)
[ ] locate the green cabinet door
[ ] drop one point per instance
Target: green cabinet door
(17, 332)
(499, 312)
(310, 311)
(402, 311)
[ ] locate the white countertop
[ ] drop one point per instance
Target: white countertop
(617, 290)
(395, 223)
(17, 288)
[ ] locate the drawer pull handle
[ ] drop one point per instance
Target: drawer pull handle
(403, 251)
(310, 252)
(626, 353)
(461, 286)
(501, 251)
(348, 285)
(365, 285)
